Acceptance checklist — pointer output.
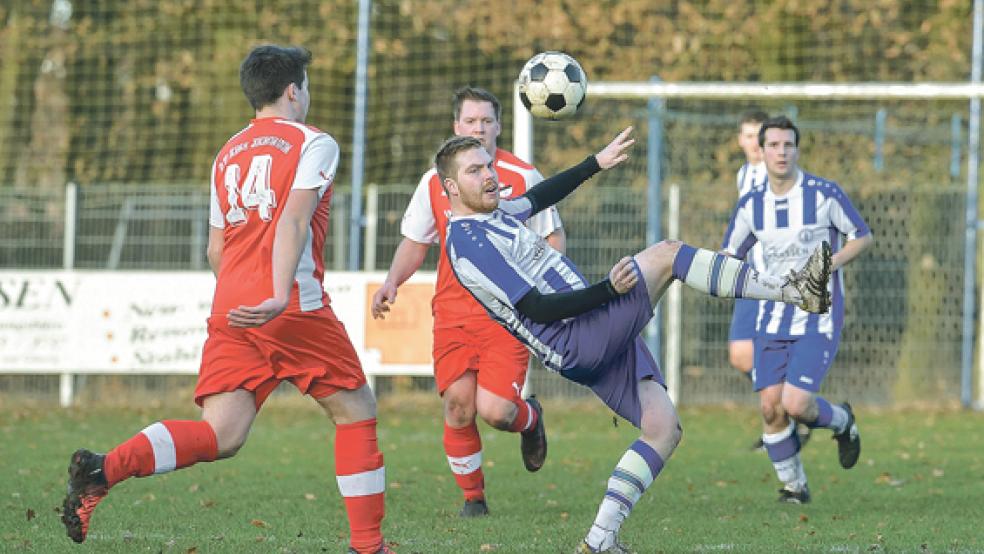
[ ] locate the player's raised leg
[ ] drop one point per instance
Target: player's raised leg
(161, 447)
(721, 275)
(359, 469)
(637, 469)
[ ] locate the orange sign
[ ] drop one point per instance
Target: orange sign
(405, 336)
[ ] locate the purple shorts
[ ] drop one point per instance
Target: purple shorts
(743, 321)
(802, 362)
(604, 352)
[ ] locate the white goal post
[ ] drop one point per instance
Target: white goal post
(971, 91)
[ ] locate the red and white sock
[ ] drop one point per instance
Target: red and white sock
(525, 417)
(361, 480)
(161, 447)
(463, 448)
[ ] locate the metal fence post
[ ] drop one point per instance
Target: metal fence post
(655, 109)
(880, 117)
(359, 133)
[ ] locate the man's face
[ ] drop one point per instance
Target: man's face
(781, 153)
(748, 139)
(477, 119)
(475, 187)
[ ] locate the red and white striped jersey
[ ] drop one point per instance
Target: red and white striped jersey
(252, 176)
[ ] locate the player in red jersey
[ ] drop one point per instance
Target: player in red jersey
(478, 367)
(270, 319)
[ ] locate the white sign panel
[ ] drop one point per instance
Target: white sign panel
(139, 322)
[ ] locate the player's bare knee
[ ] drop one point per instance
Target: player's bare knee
(771, 412)
(458, 412)
(795, 407)
(229, 441)
(497, 412)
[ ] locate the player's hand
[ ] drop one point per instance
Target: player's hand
(624, 275)
(254, 316)
(385, 296)
(617, 150)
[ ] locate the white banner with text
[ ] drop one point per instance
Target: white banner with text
(154, 322)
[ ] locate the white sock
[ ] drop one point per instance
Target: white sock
(720, 275)
(789, 470)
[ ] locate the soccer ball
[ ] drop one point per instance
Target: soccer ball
(552, 85)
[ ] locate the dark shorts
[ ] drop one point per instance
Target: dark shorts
(743, 320)
(605, 352)
(802, 362)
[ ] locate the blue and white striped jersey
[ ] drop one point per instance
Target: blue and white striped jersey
(790, 227)
(499, 260)
(748, 177)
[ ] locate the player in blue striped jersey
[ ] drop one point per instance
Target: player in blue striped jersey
(790, 214)
(590, 333)
(741, 334)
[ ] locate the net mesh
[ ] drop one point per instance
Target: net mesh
(131, 99)
(906, 176)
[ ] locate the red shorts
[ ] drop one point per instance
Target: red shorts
(309, 349)
(486, 348)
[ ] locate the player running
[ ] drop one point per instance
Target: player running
(271, 320)
(790, 214)
(478, 366)
(590, 333)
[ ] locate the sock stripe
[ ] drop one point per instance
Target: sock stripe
(825, 413)
(463, 465)
(782, 445)
(652, 458)
(740, 281)
(683, 260)
(362, 484)
(629, 479)
(715, 274)
(617, 497)
(162, 443)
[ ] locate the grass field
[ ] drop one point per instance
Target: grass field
(919, 486)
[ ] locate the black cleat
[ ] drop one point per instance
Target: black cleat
(533, 442)
(801, 496)
(849, 442)
(86, 488)
(757, 445)
(474, 508)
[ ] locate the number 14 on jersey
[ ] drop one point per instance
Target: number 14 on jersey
(255, 192)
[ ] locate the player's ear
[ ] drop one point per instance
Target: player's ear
(450, 187)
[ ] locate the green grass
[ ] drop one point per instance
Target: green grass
(919, 486)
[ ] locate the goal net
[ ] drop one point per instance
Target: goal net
(903, 162)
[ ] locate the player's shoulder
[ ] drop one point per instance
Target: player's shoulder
(827, 187)
(506, 162)
(309, 133)
(755, 190)
(430, 176)
(464, 235)
(507, 157)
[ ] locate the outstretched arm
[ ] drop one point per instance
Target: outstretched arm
(556, 188)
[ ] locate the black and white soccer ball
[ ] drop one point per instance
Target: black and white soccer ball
(552, 85)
